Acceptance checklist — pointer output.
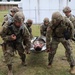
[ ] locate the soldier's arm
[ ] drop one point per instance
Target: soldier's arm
(4, 32)
(71, 28)
(6, 18)
(41, 30)
(48, 36)
(26, 37)
(31, 36)
(73, 20)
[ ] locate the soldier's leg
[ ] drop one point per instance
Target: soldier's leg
(22, 54)
(64, 57)
(3, 49)
(54, 45)
(69, 55)
(8, 54)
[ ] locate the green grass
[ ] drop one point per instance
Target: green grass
(37, 62)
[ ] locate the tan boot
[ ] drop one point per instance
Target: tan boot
(10, 73)
(49, 66)
(72, 70)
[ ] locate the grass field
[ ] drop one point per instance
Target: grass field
(37, 62)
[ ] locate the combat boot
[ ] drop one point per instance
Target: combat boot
(72, 70)
(23, 60)
(49, 66)
(10, 69)
(10, 72)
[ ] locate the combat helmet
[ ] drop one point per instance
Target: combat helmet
(67, 9)
(14, 9)
(46, 20)
(19, 17)
(29, 21)
(57, 16)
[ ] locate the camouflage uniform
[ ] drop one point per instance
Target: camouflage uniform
(55, 35)
(28, 25)
(10, 45)
(9, 17)
(43, 27)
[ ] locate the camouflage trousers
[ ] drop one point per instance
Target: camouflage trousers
(67, 46)
(8, 52)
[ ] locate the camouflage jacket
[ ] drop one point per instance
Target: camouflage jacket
(21, 33)
(43, 29)
(30, 31)
(8, 18)
(54, 31)
(72, 19)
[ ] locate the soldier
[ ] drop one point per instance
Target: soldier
(56, 33)
(44, 26)
(13, 37)
(28, 25)
(9, 17)
(67, 12)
